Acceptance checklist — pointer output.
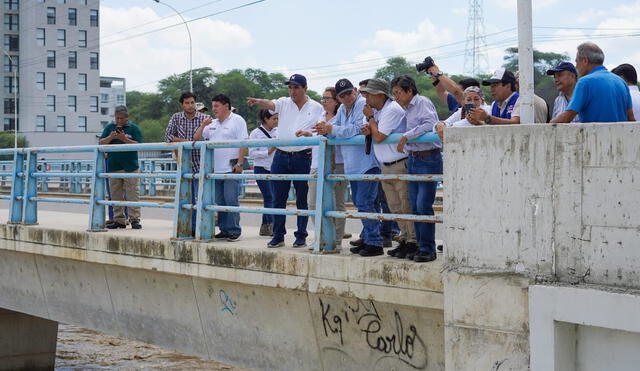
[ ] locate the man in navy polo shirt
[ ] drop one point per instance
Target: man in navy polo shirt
(505, 96)
(599, 96)
(295, 112)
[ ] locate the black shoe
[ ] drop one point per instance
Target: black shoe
(401, 246)
(136, 225)
(275, 242)
(300, 242)
(357, 249)
(370, 250)
(233, 237)
(440, 247)
(116, 225)
(387, 242)
(423, 257)
(221, 236)
(409, 247)
(357, 243)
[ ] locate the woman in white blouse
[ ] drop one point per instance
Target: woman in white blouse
(262, 158)
(473, 95)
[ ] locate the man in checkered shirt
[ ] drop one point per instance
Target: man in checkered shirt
(181, 128)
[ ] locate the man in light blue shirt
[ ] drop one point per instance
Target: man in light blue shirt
(565, 77)
(348, 123)
(599, 96)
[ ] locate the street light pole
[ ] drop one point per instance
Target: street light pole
(190, 45)
(14, 68)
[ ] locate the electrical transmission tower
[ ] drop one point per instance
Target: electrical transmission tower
(475, 55)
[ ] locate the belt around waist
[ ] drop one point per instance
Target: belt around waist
(425, 152)
(303, 152)
(394, 162)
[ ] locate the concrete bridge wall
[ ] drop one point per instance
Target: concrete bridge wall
(535, 214)
(250, 307)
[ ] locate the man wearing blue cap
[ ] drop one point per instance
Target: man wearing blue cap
(295, 112)
(599, 96)
(565, 77)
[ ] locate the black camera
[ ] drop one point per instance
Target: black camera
(425, 65)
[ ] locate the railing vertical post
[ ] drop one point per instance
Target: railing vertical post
(143, 186)
(205, 227)
(29, 206)
(152, 181)
(182, 227)
(44, 181)
(325, 201)
(96, 211)
(17, 188)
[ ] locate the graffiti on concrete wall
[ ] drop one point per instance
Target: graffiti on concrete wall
(228, 304)
(389, 337)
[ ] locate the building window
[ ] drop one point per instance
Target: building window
(40, 84)
(62, 124)
(72, 103)
(82, 82)
(104, 98)
(8, 85)
(41, 37)
(11, 4)
(73, 16)
(93, 60)
(62, 81)
(9, 106)
(73, 60)
(9, 124)
(104, 123)
(93, 103)
(11, 64)
(62, 2)
(51, 58)
(83, 2)
(93, 17)
(51, 103)
(82, 123)
(11, 43)
(51, 15)
(62, 38)
(120, 99)
(11, 22)
(104, 111)
(41, 123)
(82, 39)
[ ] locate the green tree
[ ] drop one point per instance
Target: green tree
(7, 141)
(396, 66)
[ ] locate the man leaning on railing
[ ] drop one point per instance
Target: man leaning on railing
(122, 131)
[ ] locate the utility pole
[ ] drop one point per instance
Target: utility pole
(475, 56)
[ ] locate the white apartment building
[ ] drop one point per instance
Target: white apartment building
(55, 45)
(113, 92)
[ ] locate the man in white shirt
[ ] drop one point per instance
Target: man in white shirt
(383, 117)
(295, 112)
(630, 77)
(227, 126)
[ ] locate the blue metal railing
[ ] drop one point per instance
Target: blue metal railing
(25, 174)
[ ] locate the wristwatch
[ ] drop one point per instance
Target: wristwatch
(487, 120)
(437, 75)
(369, 118)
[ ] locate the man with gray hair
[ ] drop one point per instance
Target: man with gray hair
(599, 95)
(122, 131)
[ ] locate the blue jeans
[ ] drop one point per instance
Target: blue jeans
(290, 163)
(364, 197)
(422, 195)
(227, 194)
(267, 193)
(389, 227)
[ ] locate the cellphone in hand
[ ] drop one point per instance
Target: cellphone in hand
(119, 130)
(468, 107)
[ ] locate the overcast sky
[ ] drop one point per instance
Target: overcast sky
(327, 40)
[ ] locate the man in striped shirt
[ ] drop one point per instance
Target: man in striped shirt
(182, 127)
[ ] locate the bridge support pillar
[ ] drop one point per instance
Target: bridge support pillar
(27, 342)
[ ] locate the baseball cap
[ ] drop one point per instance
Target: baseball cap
(343, 85)
(377, 86)
(564, 66)
(201, 107)
(502, 75)
(296, 79)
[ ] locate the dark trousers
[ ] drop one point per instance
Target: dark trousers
(290, 163)
(422, 195)
(266, 188)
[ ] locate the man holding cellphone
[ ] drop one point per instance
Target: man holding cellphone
(122, 131)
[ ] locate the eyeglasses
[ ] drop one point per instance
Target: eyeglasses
(324, 99)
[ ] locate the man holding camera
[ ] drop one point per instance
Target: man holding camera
(505, 96)
(122, 131)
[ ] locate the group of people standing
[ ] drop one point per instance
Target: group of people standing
(587, 93)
